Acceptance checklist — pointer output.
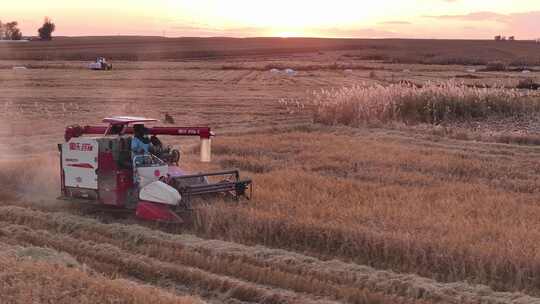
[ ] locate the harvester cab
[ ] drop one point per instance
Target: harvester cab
(102, 169)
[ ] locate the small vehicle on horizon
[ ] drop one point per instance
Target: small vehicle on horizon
(100, 64)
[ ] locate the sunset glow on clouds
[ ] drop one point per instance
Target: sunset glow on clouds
(477, 19)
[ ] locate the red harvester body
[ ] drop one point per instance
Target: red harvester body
(102, 169)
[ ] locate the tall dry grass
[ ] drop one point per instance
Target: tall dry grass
(432, 103)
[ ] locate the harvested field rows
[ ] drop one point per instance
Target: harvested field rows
(38, 275)
(149, 255)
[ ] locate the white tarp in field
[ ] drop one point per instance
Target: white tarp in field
(290, 72)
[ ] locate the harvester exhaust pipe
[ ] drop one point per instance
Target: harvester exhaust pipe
(206, 150)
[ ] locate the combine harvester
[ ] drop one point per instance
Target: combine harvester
(100, 64)
(101, 170)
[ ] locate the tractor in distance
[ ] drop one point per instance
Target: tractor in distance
(100, 64)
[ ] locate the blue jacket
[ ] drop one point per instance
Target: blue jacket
(137, 145)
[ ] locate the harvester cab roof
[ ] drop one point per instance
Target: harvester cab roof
(102, 169)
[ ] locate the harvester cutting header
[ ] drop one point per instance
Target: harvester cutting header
(119, 166)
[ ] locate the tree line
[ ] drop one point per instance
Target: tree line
(11, 31)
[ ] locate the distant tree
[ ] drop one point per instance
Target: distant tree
(45, 32)
(498, 38)
(512, 38)
(503, 38)
(10, 31)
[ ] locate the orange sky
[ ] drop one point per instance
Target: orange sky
(244, 18)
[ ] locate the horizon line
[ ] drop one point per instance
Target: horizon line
(275, 37)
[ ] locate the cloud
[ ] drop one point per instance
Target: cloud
(208, 31)
(202, 30)
(524, 25)
(474, 25)
(359, 33)
(476, 16)
(397, 22)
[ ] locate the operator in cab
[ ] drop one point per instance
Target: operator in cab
(140, 144)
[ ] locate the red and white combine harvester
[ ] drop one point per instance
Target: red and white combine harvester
(100, 168)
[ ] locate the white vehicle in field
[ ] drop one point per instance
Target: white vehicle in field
(100, 64)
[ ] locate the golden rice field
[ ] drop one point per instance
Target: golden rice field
(375, 182)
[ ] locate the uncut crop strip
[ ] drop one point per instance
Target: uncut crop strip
(274, 266)
(112, 260)
(390, 200)
(431, 103)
